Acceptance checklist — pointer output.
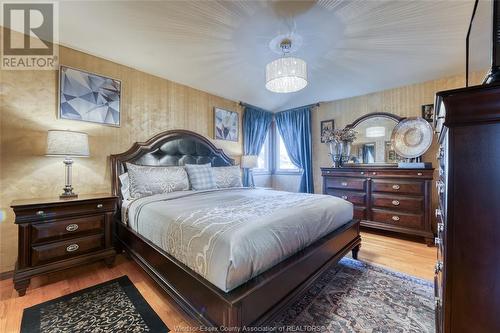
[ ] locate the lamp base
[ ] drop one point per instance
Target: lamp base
(68, 193)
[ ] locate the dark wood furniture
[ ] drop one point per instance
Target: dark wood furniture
(256, 301)
(467, 281)
(385, 198)
(56, 234)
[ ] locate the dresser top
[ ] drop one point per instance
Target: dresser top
(57, 200)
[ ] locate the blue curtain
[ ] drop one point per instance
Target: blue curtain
(295, 128)
(256, 123)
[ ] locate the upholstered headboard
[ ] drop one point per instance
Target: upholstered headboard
(176, 147)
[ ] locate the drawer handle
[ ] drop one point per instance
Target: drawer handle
(395, 202)
(440, 227)
(362, 172)
(72, 248)
(438, 212)
(419, 174)
(395, 218)
(40, 212)
(72, 227)
(374, 173)
(344, 197)
(396, 187)
(437, 241)
(438, 267)
(99, 206)
(343, 184)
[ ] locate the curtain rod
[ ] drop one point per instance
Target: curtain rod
(299, 107)
(252, 106)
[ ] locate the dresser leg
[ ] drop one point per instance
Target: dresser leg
(355, 251)
(21, 286)
(110, 261)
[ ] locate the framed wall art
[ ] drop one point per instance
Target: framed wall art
(326, 125)
(89, 97)
(226, 125)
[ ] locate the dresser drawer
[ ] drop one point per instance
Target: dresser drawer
(359, 213)
(42, 254)
(77, 227)
(346, 183)
(414, 204)
(398, 186)
(405, 220)
(66, 209)
(357, 198)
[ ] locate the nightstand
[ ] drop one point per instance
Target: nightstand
(56, 234)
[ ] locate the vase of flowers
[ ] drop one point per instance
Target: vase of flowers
(339, 142)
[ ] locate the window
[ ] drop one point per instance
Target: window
(283, 162)
(263, 161)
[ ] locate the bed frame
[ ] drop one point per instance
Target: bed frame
(253, 303)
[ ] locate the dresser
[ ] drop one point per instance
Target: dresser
(385, 198)
(55, 234)
(467, 280)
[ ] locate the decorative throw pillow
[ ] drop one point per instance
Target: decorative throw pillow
(226, 177)
(201, 176)
(149, 180)
(125, 186)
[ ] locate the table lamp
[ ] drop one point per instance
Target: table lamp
(68, 144)
(249, 162)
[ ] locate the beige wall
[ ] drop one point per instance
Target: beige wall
(29, 108)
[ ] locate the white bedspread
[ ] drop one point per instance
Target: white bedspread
(229, 236)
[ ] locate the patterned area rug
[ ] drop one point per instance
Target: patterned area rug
(358, 297)
(113, 306)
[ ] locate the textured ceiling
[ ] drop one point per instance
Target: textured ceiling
(222, 47)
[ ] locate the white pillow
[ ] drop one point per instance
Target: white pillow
(149, 180)
(125, 186)
(201, 176)
(226, 177)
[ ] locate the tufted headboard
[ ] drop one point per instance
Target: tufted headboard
(176, 147)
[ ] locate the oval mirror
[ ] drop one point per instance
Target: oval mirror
(373, 139)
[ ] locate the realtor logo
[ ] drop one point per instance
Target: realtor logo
(29, 31)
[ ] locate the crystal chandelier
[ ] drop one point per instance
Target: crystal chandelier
(286, 74)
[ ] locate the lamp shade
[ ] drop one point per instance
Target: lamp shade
(286, 75)
(249, 161)
(67, 143)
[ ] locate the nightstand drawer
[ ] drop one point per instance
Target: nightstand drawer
(69, 208)
(43, 232)
(42, 254)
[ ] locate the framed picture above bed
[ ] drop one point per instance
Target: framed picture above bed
(226, 125)
(89, 97)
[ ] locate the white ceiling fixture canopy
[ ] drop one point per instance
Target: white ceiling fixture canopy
(286, 74)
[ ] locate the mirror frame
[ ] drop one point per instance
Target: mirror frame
(363, 118)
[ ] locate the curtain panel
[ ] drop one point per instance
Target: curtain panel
(295, 128)
(256, 123)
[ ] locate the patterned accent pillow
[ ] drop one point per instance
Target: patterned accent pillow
(148, 180)
(201, 176)
(229, 176)
(125, 186)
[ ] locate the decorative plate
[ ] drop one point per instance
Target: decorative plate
(412, 137)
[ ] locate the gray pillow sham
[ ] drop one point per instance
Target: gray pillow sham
(148, 180)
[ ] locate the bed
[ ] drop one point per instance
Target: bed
(229, 257)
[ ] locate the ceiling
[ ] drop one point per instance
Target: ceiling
(222, 47)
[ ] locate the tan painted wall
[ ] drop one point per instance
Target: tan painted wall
(403, 101)
(29, 108)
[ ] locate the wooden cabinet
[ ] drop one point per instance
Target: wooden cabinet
(55, 234)
(467, 280)
(385, 198)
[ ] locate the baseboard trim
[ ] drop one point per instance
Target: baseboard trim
(6, 275)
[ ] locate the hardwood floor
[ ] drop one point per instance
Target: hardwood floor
(394, 253)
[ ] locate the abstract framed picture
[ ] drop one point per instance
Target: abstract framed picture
(89, 97)
(226, 125)
(326, 125)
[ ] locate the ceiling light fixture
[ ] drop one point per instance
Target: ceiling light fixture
(286, 74)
